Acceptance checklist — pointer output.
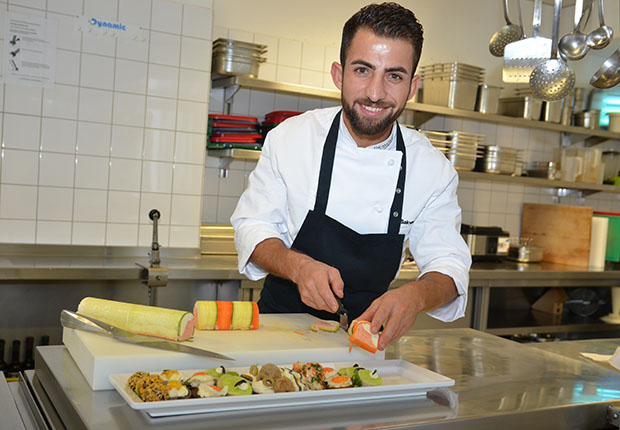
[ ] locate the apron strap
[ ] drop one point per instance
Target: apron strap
(325, 175)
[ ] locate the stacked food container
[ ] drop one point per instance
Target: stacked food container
(453, 85)
(232, 57)
(461, 148)
(233, 131)
(499, 160)
(522, 105)
(274, 118)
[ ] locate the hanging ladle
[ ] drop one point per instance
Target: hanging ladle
(574, 46)
(608, 75)
(507, 34)
(552, 79)
(600, 37)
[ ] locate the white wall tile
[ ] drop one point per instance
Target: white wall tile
(104, 9)
(161, 113)
(166, 16)
(286, 102)
(21, 131)
(135, 12)
(60, 101)
(56, 169)
(189, 148)
(197, 22)
(209, 210)
(158, 145)
(194, 85)
(219, 32)
(92, 172)
(240, 35)
(55, 204)
(165, 49)
(90, 205)
(312, 57)
(192, 117)
(272, 46)
(95, 105)
(156, 177)
(261, 102)
(37, 4)
(67, 67)
(225, 207)
(267, 72)
(127, 141)
(97, 72)
(196, 54)
(14, 231)
(15, 7)
(137, 50)
(187, 179)
(288, 74)
(123, 206)
(185, 210)
(22, 99)
(233, 185)
(67, 37)
(88, 233)
(145, 235)
(121, 235)
(163, 81)
(95, 44)
(53, 232)
(289, 53)
(212, 181)
(20, 167)
(129, 109)
(58, 135)
(150, 201)
(130, 76)
(93, 138)
(311, 78)
(125, 174)
(18, 201)
(71, 7)
(185, 237)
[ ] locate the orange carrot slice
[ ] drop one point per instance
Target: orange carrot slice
(341, 379)
(224, 315)
(363, 338)
(254, 325)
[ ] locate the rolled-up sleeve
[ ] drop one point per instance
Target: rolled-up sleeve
(260, 212)
(437, 246)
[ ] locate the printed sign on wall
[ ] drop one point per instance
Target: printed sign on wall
(29, 50)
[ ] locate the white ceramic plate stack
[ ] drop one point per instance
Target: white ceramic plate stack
(461, 148)
(453, 85)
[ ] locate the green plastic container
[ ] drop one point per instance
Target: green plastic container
(612, 252)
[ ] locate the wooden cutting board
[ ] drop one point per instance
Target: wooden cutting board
(280, 339)
(563, 232)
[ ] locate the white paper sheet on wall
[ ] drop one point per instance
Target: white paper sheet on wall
(29, 50)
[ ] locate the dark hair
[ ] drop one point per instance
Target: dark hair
(386, 20)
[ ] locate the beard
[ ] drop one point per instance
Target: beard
(369, 127)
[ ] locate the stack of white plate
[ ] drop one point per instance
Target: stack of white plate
(461, 148)
(451, 84)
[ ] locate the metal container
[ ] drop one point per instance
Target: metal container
(587, 119)
(487, 98)
(233, 57)
(228, 65)
(524, 107)
(542, 169)
(498, 160)
(458, 94)
(552, 111)
(614, 121)
(522, 250)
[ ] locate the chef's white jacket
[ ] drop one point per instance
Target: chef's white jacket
(282, 188)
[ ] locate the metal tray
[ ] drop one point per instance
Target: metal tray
(400, 379)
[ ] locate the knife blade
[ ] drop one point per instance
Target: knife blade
(77, 321)
(342, 313)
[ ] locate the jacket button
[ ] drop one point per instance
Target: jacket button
(390, 162)
(395, 214)
(379, 209)
(397, 190)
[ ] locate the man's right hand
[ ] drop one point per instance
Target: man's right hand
(317, 282)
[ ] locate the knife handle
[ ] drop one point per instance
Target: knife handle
(73, 320)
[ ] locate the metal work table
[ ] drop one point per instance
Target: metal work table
(499, 384)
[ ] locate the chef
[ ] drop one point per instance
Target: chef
(338, 192)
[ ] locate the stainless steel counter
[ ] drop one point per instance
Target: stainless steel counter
(499, 384)
(573, 348)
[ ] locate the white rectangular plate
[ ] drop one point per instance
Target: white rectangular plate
(400, 379)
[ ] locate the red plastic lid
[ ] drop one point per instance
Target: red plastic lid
(239, 135)
(235, 139)
(233, 117)
(233, 124)
(280, 116)
(606, 213)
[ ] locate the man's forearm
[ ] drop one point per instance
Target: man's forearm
(433, 290)
(276, 258)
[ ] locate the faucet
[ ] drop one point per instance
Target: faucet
(154, 275)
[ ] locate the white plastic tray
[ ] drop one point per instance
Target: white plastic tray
(400, 379)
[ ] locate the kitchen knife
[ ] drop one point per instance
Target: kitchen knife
(342, 313)
(77, 321)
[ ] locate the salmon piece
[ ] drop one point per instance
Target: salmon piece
(362, 337)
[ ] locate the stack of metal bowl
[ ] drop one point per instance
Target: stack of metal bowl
(461, 148)
(499, 160)
(453, 85)
(232, 57)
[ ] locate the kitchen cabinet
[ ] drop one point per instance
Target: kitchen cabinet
(422, 113)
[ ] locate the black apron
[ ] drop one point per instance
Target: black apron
(367, 262)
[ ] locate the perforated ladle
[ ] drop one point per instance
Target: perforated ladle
(552, 79)
(507, 34)
(600, 37)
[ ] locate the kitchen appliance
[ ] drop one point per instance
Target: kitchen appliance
(486, 243)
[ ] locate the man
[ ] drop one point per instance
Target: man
(337, 192)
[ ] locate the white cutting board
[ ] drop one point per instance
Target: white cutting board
(98, 356)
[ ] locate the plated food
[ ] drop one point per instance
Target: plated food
(267, 379)
(226, 315)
